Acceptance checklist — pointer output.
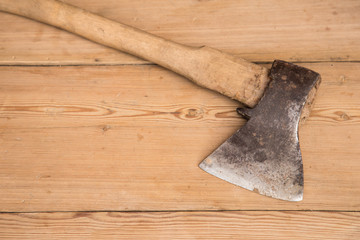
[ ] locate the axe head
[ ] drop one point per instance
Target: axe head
(264, 155)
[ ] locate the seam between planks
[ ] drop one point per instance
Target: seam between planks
(180, 211)
(150, 64)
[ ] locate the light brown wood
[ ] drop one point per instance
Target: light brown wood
(181, 225)
(258, 31)
(131, 137)
(210, 68)
(118, 138)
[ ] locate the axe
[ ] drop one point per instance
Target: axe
(264, 155)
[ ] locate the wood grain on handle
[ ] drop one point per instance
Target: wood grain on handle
(210, 68)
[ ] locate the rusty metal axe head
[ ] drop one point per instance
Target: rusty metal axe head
(264, 155)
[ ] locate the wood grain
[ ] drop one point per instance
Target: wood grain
(130, 138)
(255, 30)
(181, 225)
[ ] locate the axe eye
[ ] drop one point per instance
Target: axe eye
(244, 112)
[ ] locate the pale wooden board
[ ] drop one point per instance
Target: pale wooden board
(181, 225)
(131, 137)
(302, 30)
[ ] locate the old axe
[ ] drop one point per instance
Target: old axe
(264, 155)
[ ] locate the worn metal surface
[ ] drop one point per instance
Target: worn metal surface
(264, 155)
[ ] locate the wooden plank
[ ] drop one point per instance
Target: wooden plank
(259, 31)
(130, 138)
(181, 225)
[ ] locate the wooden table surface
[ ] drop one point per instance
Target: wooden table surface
(97, 144)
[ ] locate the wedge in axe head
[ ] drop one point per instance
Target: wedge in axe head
(264, 155)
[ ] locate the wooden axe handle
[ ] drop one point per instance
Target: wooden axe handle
(210, 68)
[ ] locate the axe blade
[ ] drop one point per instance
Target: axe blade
(264, 155)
